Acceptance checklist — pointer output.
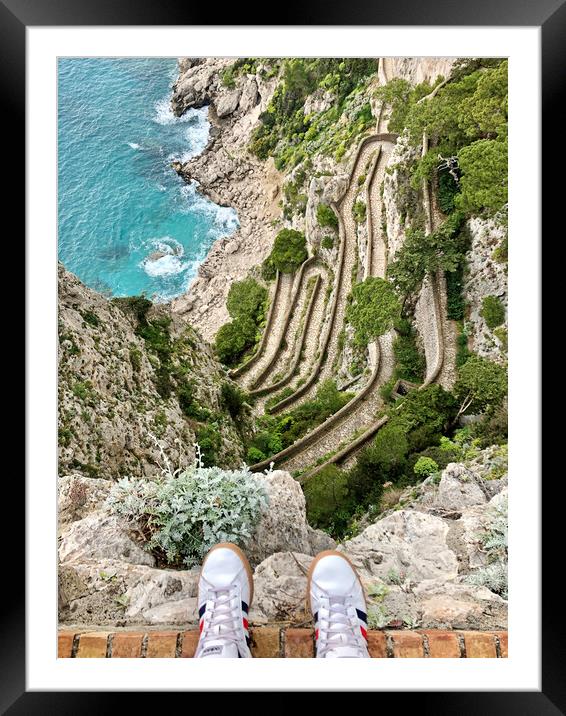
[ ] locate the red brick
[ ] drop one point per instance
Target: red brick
(65, 644)
(265, 642)
(503, 644)
(190, 642)
(377, 645)
(126, 645)
(161, 645)
(299, 644)
(442, 644)
(92, 645)
(407, 644)
(479, 645)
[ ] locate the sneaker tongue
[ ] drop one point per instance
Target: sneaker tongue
(220, 650)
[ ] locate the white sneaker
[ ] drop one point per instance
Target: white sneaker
(225, 593)
(338, 606)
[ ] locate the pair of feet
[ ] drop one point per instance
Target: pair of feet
(334, 593)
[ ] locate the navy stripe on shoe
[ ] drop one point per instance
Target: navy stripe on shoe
(362, 615)
(315, 616)
(202, 610)
(248, 641)
(245, 607)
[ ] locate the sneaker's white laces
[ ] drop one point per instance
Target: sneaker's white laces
(336, 632)
(222, 616)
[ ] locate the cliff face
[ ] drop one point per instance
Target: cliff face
(112, 383)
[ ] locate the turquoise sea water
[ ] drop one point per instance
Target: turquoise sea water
(127, 223)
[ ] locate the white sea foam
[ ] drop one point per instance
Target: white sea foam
(133, 145)
(165, 258)
(224, 218)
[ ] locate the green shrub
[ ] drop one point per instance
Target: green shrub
(210, 442)
(326, 216)
(420, 254)
(493, 428)
(501, 334)
(359, 211)
(456, 305)
(328, 500)
(182, 515)
(289, 250)
(90, 317)
(492, 311)
(409, 361)
(254, 455)
(448, 188)
(425, 466)
(232, 398)
(188, 404)
(500, 254)
(481, 384)
(268, 270)
(138, 306)
(234, 339)
(327, 242)
(373, 309)
(484, 176)
(247, 299)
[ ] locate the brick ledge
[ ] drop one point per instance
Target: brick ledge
(283, 642)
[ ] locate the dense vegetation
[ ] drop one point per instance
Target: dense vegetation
(373, 309)
(278, 432)
(415, 424)
(467, 119)
(289, 251)
(290, 135)
(247, 305)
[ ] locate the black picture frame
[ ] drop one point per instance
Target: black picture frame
(550, 15)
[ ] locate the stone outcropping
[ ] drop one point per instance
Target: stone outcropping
(109, 404)
(413, 561)
(107, 577)
(485, 276)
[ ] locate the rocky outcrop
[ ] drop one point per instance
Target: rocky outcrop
(415, 561)
(485, 276)
(107, 577)
(229, 176)
(109, 402)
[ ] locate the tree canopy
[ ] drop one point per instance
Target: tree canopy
(373, 309)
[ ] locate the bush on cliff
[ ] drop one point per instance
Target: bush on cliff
(247, 304)
(373, 309)
(481, 385)
(326, 217)
(289, 250)
(183, 514)
(492, 311)
(329, 500)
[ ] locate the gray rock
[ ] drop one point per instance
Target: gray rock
(227, 103)
(249, 96)
(280, 584)
(409, 544)
(284, 526)
(100, 536)
(113, 592)
(459, 488)
(79, 495)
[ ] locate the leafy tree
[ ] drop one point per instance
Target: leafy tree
(492, 311)
(425, 466)
(483, 165)
(289, 250)
(247, 299)
(328, 499)
(481, 385)
(444, 249)
(234, 338)
(326, 216)
(373, 309)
